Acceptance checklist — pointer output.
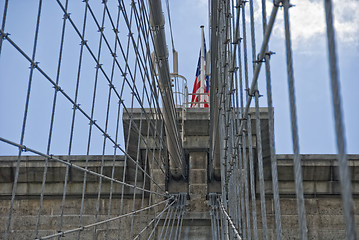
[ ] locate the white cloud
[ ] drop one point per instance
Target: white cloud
(307, 19)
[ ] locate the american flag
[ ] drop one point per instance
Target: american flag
(197, 84)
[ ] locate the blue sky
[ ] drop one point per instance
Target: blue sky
(314, 111)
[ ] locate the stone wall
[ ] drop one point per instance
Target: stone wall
(323, 206)
(27, 201)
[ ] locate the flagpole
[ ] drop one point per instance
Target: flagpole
(202, 70)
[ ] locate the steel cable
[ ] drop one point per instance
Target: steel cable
(17, 171)
(82, 228)
(142, 61)
(51, 125)
(3, 22)
(58, 88)
(344, 173)
(230, 221)
(295, 139)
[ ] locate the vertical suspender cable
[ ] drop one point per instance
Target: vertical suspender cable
(344, 173)
(3, 23)
(51, 123)
(17, 171)
(293, 117)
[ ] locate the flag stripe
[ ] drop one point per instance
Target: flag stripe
(197, 84)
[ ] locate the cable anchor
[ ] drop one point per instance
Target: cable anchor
(83, 42)
(269, 54)
(101, 29)
(98, 65)
(57, 88)
(257, 91)
(33, 65)
(5, 35)
(66, 15)
(278, 3)
(92, 122)
(76, 106)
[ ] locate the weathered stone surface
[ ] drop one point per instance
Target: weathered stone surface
(198, 160)
(198, 176)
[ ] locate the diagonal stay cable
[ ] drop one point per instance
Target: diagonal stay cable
(180, 219)
(82, 228)
(153, 230)
(166, 221)
(58, 88)
(125, 55)
(174, 219)
(171, 218)
(237, 235)
(52, 157)
(99, 66)
(157, 216)
(218, 221)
